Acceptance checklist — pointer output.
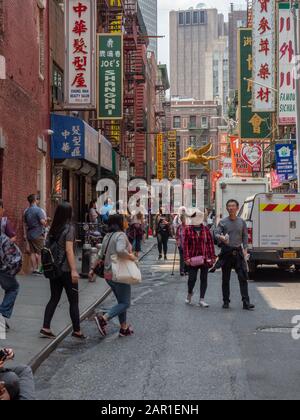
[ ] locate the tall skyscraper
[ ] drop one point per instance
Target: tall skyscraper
(237, 19)
(198, 54)
(149, 12)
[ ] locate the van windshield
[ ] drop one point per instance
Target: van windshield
(246, 211)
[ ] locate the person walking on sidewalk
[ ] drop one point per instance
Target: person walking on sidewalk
(8, 282)
(232, 232)
(180, 237)
(199, 254)
(35, 223)
(116, 243)
(163, 233)
(63, 233)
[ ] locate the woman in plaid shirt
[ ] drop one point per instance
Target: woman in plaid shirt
(198, 242)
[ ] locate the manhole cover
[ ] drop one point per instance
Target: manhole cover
(276, 330)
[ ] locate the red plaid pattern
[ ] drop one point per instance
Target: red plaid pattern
(198, 244)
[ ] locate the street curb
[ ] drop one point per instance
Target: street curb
(37, 361)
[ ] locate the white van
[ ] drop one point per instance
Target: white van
(274, 230)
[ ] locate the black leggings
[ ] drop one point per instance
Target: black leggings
(193, 275)
(162, 241)
(57, 286)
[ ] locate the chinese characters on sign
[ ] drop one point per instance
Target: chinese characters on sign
(253, 125)
(172, 155)
(80, 34)
(287, 85)
(263, 92)
(160, 156)
(73, 139)
(239, 166)
(110, 76)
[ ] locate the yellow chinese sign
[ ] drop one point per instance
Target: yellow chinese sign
(172, 155)
(160, 156)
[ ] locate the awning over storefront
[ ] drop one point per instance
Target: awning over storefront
(73, 138)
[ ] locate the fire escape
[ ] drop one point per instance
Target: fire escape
(123, 16)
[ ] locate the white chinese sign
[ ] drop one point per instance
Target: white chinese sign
(264, 37)
(80, 35)
(287, 83)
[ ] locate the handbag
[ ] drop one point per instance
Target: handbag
(125, 271)
(99, 269)
(197, 261)
(201, 259)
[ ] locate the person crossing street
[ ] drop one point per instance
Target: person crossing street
(232, 232)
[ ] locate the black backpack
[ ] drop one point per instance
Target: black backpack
(53, 257)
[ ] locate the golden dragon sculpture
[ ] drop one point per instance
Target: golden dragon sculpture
(198, 156)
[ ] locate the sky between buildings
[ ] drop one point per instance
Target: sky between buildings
(165, 6)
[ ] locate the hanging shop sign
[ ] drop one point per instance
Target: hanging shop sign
(264, 50)
(172, 155)
(253, 125)
(285, 161)
(80, 62)
(287, 82)
(73, 139)
(110, 77)
(160, 156)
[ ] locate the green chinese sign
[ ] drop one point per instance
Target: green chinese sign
(253, 125)
(110, 77)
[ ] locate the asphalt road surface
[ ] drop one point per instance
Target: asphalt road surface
(184, 352)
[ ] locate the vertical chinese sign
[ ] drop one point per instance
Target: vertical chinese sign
(80, 63)
(287, 85)
(172, 155)
(160, 156)
(110, 77)
(253, 125)
(264, 50)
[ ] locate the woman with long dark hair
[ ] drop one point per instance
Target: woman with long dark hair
(63, 233)
(116, 243)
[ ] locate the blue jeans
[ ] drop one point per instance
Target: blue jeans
(123, 295)
(11, 287)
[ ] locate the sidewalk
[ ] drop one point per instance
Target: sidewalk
(29, 311)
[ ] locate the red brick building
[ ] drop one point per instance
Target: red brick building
(25, 166)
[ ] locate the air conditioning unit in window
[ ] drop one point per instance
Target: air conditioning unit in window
(42, 4)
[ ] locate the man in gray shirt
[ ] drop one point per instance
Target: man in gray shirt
(232, 233)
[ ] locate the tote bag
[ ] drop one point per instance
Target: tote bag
(125, 271)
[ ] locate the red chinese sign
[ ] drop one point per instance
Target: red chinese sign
(287, 85)
(80, 22)
(264, 97)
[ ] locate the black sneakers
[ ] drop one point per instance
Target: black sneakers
(247, 306)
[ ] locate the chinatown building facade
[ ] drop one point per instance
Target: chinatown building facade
(25, 166)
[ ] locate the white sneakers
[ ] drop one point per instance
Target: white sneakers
(203, 304)
(188, 300)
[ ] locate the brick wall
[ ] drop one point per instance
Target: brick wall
(24, 106)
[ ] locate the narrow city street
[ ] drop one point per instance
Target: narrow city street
(183, 352)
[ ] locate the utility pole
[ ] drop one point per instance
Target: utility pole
(295, 9)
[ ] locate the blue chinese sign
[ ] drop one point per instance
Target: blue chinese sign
(73, 139)
(285, 160)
